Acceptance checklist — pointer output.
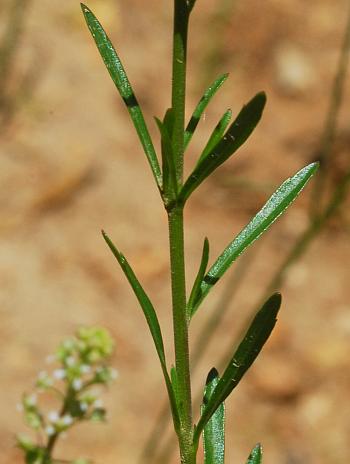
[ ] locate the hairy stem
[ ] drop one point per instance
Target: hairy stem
(176, 237)
(177, 262)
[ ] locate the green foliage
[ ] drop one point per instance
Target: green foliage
(201, 106)
(246, 353)
(151, 318)
(255, 456)
(224, 141)
(121, 81)
(235, 136)
(273, 208)
(214, 430)
(83, 357)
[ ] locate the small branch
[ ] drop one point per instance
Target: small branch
(324, 151)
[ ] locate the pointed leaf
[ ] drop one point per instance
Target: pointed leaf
(173, 376)
(214, 431)
(273, 208)
(142, 297)
(174, 382)
(121, 81)
(168, 164)
(216, 135)
(236, 135)
(201, 106)
(196, 290)
(255, 456)
(246, 353)
(151, 318)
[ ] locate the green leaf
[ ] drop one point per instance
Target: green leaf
(169, 170)
(201, 106)
(255, 456)
(174, 383)
(196, 290)
(151, 318)
(236, 135)
(121, 81)
(273, 208)
(246, 353)
(214, 431)
(216, 135)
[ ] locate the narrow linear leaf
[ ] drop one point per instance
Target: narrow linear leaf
(169, 121)
(236, 135)
(151, 318)
(255, 456)
(121, 81)
(246, 353)
(201, 106)
(173, 376)
(273, 208)
(196, 290)
(214, 431)
(168, 164)
(174, 382)
(216, 135)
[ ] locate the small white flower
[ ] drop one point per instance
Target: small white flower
(67, 420)
(31, 400)
(44, 380)
(50, 430)
(85, 369)
(59, 374)
(84, 406)
(98, 403)
(77, 384)
(53, 416)
(70, 361)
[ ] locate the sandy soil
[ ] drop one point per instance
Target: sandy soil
(71, 164)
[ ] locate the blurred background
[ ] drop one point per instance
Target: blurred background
(70, 164)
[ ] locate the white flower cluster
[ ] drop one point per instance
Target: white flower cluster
(82, 365)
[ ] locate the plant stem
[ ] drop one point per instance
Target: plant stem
(181, 17)
(176, 237)
(53, 438)
(328, 135)
(177, 262)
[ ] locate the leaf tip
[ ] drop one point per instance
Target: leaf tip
(84, 8)
(255, 455)
(261, 98)
(276, 300)
(314, 166)
(213, 374)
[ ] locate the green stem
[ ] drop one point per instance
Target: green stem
(176, 237)
(181, 17)
(330, 127)
(177, 262)
(53, 438)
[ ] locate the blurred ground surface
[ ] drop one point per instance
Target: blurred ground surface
(70, 165)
